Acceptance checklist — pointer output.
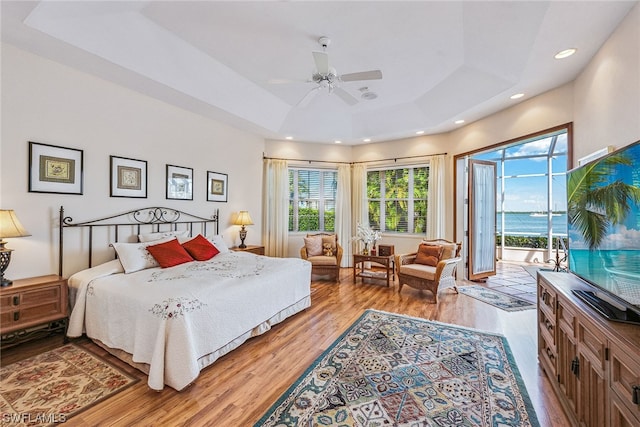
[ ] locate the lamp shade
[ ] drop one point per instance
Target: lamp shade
(10, 226)
(243, 218)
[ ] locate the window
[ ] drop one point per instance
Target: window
(312, 199)
(398, 199)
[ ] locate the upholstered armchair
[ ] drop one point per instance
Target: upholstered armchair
(436, 266)
(324, 253)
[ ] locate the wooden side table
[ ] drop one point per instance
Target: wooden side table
(33, 307)
(254, 249)
(387, 261)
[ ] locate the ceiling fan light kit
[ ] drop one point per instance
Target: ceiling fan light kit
(367, 94)
(326, 77)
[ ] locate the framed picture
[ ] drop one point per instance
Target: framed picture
(54, 169)
(216, 187)
(179, 183)
(128, 177)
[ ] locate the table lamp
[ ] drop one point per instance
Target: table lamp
(243, 219)
(9, 227)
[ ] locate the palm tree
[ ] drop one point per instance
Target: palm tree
(593, 205)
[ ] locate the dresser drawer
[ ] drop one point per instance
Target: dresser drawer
(35, 313)
(625, 377)
(547, 355)
(546, 299)
(38, 296)
(592, 343)
(31, 302)
(566, 317)
(547, 327)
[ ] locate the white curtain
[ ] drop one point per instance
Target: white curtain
(359, 205)
(343, 213)
(436, 212)
(275, 208)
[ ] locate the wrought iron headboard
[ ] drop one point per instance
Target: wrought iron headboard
(152, 219)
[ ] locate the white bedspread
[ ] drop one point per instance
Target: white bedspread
(170, 318)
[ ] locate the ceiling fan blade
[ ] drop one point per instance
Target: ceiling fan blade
(322, 62)
(345, 96)
(308, 97)
(363, 75)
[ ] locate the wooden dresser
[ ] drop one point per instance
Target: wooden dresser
(593, 364)
(32, 307)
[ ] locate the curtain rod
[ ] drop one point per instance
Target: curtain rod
(353, 163)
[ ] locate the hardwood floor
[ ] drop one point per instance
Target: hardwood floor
(238, 388)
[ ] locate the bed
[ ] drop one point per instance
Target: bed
(173, 322)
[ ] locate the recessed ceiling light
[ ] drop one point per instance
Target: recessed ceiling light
(565, 53)
(517, 96)
(420, 132)
(288, 137)
(367, 140)
(337, 141)
(459, 122)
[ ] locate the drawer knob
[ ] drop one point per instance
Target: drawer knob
(549, 325)
(16, 316)
(636, 395)
(16, 300)
(550, 354)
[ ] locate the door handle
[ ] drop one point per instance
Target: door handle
(575, 366)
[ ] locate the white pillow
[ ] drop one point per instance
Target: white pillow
(135, 256)
(219, 243)
(150, 237)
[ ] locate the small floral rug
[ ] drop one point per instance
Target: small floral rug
(393, 370)
(497, 299)
(52, 387)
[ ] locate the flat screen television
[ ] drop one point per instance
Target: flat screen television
(603, 217)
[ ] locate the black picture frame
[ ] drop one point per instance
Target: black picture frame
(55, 169)
(127, 177)
(217, 187)
(179, 183)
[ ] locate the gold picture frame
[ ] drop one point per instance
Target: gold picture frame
(128, 177)
(55, 169)
(217, 187)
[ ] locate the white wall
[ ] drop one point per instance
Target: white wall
(607, 92)
(544, 111)
(46, 102)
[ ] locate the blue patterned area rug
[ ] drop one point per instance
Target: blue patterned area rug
(497, 299)
(393, 370)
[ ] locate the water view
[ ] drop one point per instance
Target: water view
(531, 223)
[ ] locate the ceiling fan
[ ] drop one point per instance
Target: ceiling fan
(326, 77)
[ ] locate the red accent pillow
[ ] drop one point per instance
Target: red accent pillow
(169, 253)
(200, 248)
(429, 254)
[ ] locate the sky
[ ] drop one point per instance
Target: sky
(529, 193)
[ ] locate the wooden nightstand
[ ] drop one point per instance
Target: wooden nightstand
(33, 307)
(254, 249)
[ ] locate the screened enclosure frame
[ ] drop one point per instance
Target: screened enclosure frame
(503, 154)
